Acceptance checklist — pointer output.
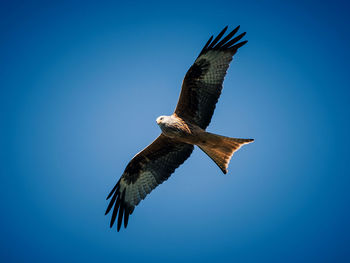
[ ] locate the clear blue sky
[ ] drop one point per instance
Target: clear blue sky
(81, 86)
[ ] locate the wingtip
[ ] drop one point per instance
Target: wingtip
(116, 187)
(240, 44)
(109, 196)
(235, 30)
(244, 42)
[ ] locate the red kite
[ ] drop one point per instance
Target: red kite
(201, 89)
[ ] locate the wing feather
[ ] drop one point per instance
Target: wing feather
(202, 84)
(235, 40)
(228, 37)
(212, 44)
(145, 171)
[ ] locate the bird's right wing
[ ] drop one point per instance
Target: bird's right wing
(149, 168)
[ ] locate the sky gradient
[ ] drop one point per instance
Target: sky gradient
(81, 86)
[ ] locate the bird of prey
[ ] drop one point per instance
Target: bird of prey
(201, 89)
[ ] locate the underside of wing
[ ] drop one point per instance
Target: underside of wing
(202, 84)
(145, 171)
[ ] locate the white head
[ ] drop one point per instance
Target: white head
(162, 119)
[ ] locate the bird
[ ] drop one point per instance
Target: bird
(181, 131)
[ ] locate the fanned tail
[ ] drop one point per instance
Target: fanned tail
(220, 148)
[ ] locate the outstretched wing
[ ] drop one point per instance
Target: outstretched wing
(149, 168)
(202, 84)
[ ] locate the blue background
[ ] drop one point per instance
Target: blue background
(81, 86)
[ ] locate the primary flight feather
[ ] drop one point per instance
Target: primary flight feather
(201, 89)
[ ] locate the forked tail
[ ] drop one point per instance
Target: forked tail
(220, 148)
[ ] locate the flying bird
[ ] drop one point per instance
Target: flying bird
(201, 89)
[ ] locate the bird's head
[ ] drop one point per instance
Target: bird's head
(161, 119)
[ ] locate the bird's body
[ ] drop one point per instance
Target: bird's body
(181, 131)
(177, 128)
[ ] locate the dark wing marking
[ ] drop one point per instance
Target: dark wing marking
(149, 168)
(202, 84)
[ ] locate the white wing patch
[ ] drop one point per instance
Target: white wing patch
(219, 64)
(137, 191)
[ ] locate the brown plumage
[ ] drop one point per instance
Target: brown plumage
(220, 148)
(182, 130)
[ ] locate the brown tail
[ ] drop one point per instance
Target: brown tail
(220, 148)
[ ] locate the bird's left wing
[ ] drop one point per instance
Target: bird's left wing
(202, 85)
(149, 168)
